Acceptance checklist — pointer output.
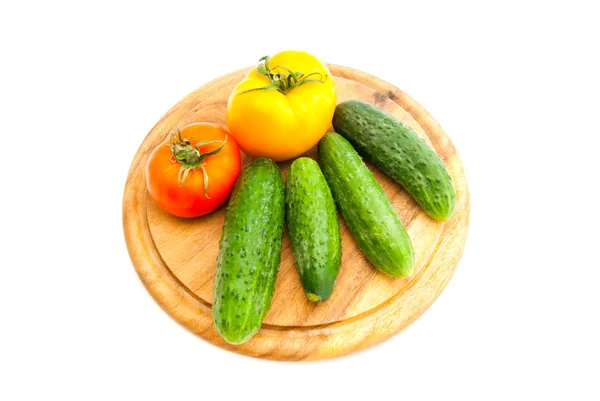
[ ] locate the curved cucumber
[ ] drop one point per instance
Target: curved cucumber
(400, 153)
(314, 228)
(249, 251)
(366, 209)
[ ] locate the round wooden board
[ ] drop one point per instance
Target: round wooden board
(176, 258)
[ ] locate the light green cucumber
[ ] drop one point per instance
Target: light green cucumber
(313, 227)
(366, 209)
(397, 150)
(249, 251)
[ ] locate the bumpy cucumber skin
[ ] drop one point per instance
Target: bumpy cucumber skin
(399, 152)
(366, 209)
(249, 251)
(313, 227)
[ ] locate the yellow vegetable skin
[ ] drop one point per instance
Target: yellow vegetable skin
(283, 107)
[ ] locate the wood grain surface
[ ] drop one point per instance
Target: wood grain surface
(176, 258)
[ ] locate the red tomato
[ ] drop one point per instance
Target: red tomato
(177, 169)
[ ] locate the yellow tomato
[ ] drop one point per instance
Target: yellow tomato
(283, 107)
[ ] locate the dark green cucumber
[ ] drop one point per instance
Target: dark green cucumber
(249, 251)
(314, 228)
(400, 153)
(366, 209)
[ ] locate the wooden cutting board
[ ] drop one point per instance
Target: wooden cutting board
(176, 258)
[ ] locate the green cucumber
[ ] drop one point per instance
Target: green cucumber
(313, 227)
(249, 251)
(400, 153)
(365, 208)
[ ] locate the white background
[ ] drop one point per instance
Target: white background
(516, 86)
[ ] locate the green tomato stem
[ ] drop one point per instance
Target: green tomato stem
(281, 81)
(191, 158)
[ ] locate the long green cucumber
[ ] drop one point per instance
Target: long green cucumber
(366, 209)
(249, 251)
(313, 227)
(399, 152)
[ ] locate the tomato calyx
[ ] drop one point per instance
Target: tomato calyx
(190, 157)
(281, 81)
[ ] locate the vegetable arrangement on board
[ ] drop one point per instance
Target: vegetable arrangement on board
(282, 109)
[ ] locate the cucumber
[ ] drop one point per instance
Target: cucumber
(399, 152)
(249, 251)
(365, 208)
(313, 227)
